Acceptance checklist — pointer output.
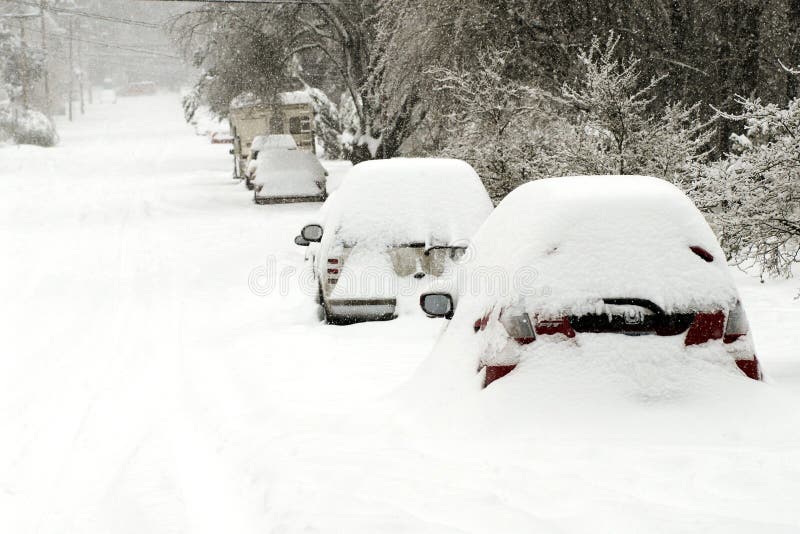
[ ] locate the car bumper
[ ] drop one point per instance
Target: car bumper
(288, 199)
(362, 309)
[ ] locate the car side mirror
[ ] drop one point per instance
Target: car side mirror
(437, 305)
(312, 233)
(299, 241)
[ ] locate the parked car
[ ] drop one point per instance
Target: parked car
(108, 96)
(392, 224)
(595, 256)
(285, 176)
(221, 138)
(144, 88)
(264, 142)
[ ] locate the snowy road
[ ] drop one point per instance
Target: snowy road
(146, 385)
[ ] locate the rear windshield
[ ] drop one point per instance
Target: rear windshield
(412, 259)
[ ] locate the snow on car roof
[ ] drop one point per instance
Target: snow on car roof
(409, 200)
(288, 98)
(277, 141)
(289, 173)
(564, 244)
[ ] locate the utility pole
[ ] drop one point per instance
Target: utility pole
(80, 74)
(24, 74)
(71, 71)
(46, 73)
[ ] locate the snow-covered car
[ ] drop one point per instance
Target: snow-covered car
(221, 138)
(624, 261)
(108, 96)
(264, 142)
(284, 176)
(393, 224)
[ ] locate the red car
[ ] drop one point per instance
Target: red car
(608, 258)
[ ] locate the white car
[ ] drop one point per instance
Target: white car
(393, 224)
(610, 262)
(284, 176)
(265, 142)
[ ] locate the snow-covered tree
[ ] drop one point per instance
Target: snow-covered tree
(505, 128)
(20, 68)
(257, 50)
(754, 194)
(619, 132)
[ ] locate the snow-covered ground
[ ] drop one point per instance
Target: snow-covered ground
(162, 370)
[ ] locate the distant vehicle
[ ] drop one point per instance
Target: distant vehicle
(607, 256)
(107, 94)
(144, 88)
(250, 117)
(265, 142)
(221, 138)
(284, 176)
(392, 224)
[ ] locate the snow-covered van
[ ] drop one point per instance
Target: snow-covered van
(392, 225)
(619, 269)
(251, 117)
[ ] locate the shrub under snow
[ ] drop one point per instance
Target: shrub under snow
(28, 127)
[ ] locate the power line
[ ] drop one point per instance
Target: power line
(256, 2)
(117, 46)
(96, 16)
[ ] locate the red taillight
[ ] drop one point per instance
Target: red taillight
(333, 272)
(750, 368)
(737, 325)
(481, 323)
(496, 372)
(705, 327)
(549, 327)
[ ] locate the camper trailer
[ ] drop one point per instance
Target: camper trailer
(251, 117)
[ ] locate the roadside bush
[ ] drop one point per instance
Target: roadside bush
(28, 127)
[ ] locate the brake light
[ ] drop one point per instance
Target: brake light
(750, 368)
(495, 372)
(333, 272)
(737, 325)
(549, 327)
(705, 327)
(481, 323)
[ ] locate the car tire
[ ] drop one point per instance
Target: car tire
(322, 308)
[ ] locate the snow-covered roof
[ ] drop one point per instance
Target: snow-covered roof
(248, 99)
(577, 240)
(406, 200)
(270, 142)
(289, 173)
